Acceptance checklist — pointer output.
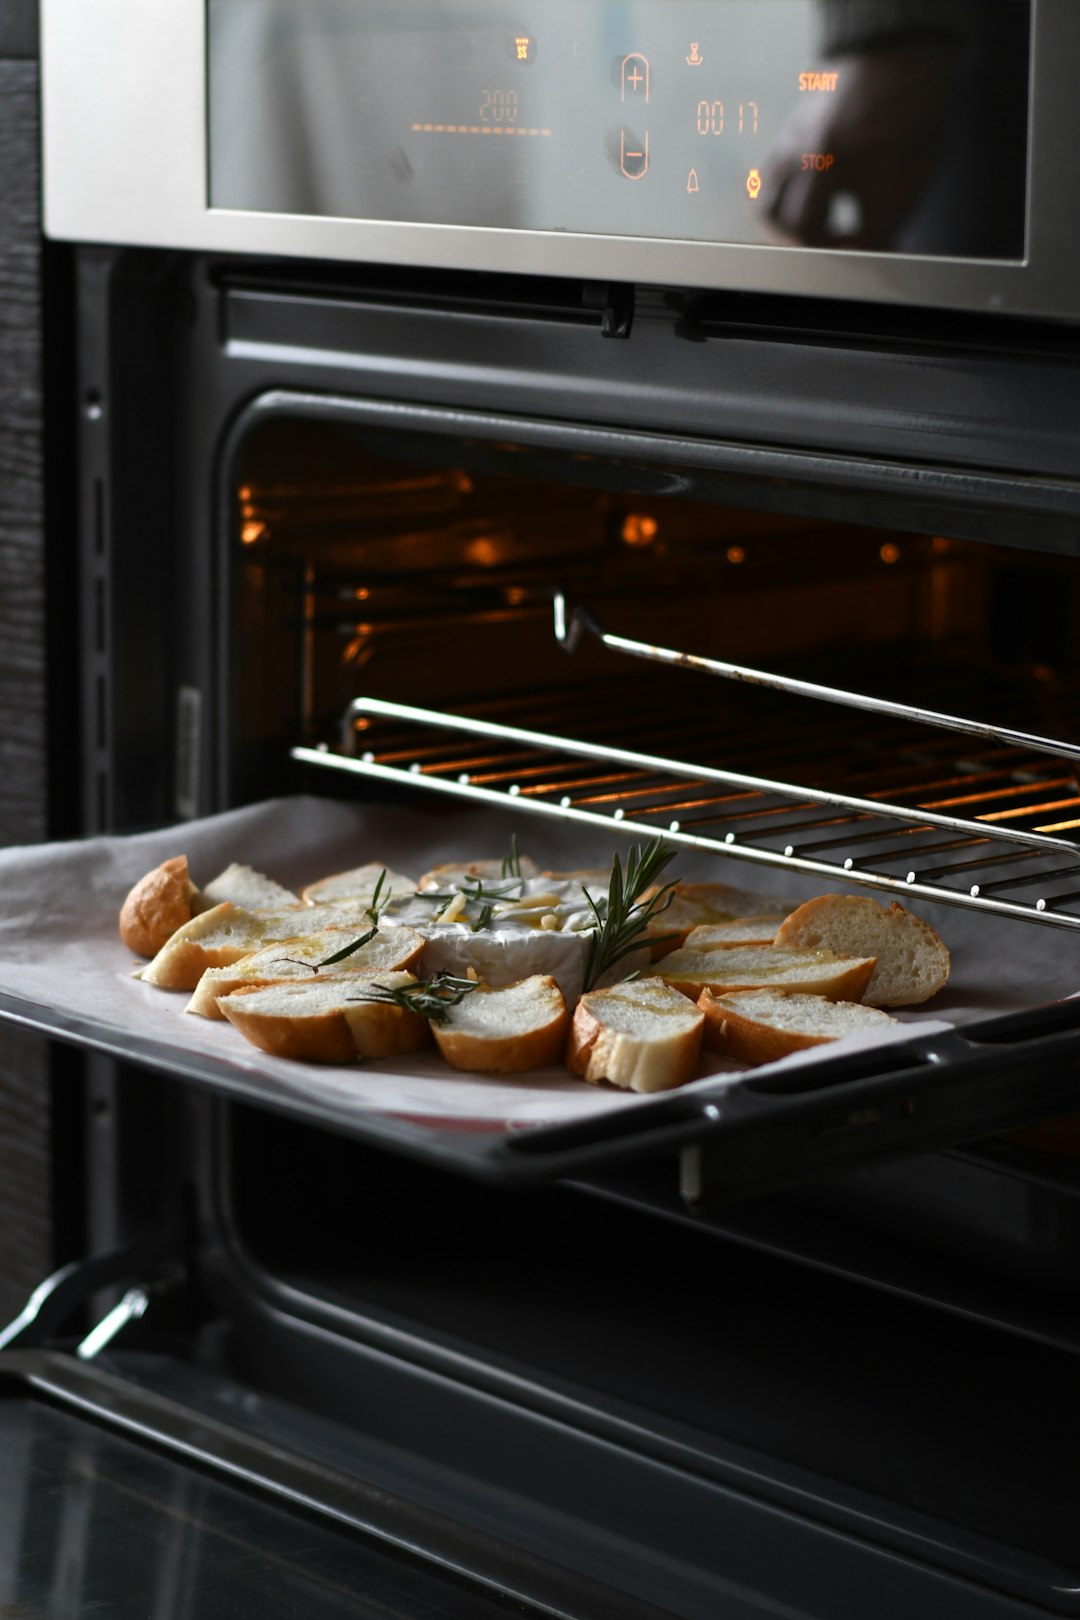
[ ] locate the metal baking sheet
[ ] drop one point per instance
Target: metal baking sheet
(63, 970)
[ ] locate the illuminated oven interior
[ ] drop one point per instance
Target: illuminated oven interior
(423, 572)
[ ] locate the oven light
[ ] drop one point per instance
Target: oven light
(250, 532)
(735, 555)
(889, 553)
(639, 529)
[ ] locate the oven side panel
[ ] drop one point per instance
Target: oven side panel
(25, 1226)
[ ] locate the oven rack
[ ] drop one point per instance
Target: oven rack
(890, 838)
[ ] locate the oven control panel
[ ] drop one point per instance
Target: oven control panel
(878, 126)
(910, 152)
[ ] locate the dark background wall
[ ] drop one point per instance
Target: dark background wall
(25, 1230)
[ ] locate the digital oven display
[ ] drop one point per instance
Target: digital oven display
(886, 126)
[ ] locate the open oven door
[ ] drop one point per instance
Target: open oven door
(160, 1461)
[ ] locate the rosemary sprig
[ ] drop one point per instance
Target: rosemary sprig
(622, 921)
(478, 891)
(432, 998)
(511, 864)
(347, 950)
(379, 902)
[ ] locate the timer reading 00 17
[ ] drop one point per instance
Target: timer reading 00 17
(713, 120)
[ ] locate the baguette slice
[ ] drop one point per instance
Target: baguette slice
(912, 960)
(758, 1026)
(221, 936)
(360, 882)
(722, 936)
(327, 1020)
(694, 905)
(159, 904)
(505, 1031)
(390, 949)
(642, 1035)
(767, 967)
(243, 886)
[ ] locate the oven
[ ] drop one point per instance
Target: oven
(577, 427)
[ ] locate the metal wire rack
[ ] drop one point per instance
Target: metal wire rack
(992, 827)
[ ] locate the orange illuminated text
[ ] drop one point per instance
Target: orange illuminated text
(818, 81)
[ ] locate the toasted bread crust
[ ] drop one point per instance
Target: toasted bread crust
(348, 1025)
(325, 1038)
(736, 1028)
(912, 960)
(514, 1051)
(691, 972)
(159, 904)
(635, 1060)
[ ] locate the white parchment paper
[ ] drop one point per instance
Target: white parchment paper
(60, 950)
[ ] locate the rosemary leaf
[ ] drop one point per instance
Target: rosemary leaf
(432, 998)
(622, 923)
(378, 900)
(511, 865)
(347, 950)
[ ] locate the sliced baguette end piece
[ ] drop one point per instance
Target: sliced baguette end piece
(159, 904)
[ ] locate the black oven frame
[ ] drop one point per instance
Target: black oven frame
(172, 347)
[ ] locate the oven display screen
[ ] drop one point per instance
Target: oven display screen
(886, 126)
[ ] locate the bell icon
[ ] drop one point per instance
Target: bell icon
(691, 182)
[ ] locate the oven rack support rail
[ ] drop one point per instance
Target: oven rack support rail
(494, 763)
(571, 628)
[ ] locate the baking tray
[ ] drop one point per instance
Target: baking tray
(948, 1073)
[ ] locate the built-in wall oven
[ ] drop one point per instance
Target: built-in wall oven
(582, 425)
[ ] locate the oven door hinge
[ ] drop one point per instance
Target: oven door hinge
(615, 303)
(148, 1271)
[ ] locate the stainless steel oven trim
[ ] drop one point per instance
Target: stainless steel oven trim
(125, 162)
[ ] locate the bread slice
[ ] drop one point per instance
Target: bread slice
(327, 1020)
(358, 883)
(221, 936)
(243, 886)
(641, 1035)
(722, 936)
(759, 1026)
(912, 960)
(214, 938)
(694, 905)
(159, 904)
(303, 958)
(506, 1031)
(767, 967)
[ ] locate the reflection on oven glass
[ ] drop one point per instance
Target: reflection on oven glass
(862, 124)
